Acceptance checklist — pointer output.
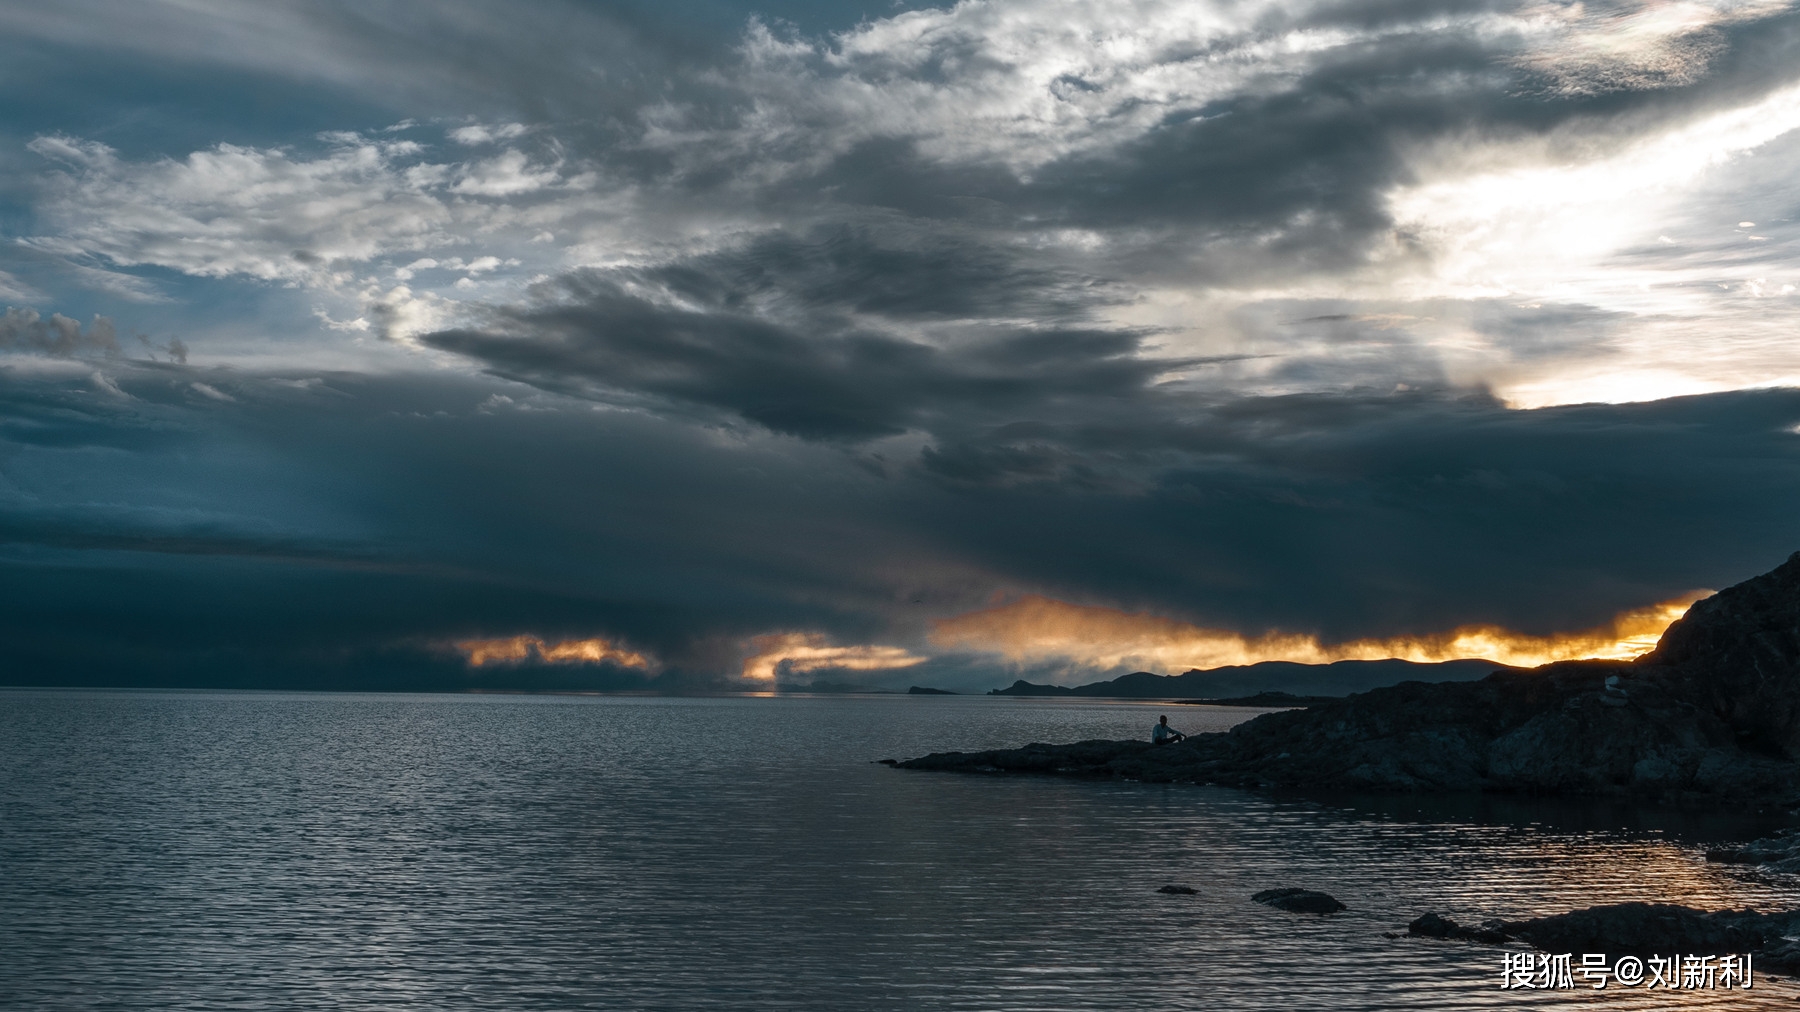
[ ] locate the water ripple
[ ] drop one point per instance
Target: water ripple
(362, 852)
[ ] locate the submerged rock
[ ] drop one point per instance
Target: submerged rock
(1713, 712)
(1299, 901)
(1178, 890)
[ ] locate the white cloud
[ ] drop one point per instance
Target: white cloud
(107, 385)
(1013, 84)
(478, 133)
(507, 175)
(357, 326)
(1022, 84)
(1585, 48)
(1516, 221)
(12, 289)
(320, 220)
(400, 312)
(235, 210)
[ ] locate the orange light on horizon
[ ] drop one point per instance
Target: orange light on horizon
(1035, 628)
(800, 652)
(520, 649)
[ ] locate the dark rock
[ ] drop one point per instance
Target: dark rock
(1439, 926)
(888, 762)
(1734, 656)
(1432, 926)
(1179, 890)
(1299, 901)
(1712, 713)
(1640, 929)
(1780, 852)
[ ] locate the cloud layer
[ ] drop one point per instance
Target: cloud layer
(339, 523)
(599, 344)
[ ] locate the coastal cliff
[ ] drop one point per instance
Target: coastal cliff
(1712, 712)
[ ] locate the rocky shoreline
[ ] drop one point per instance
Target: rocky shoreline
(1713, 713)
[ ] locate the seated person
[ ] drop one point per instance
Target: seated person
(1162, 733)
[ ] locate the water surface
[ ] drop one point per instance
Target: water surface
(298, 851)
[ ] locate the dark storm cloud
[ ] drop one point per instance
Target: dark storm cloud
(906, 273)
(1342, 514)
(780, 333)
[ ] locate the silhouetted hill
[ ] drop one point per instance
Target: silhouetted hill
(1339, 679)
(1286, 700)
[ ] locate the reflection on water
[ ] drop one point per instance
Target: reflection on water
(195, 850)
(1570, 815)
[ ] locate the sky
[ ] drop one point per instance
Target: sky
(720, 345)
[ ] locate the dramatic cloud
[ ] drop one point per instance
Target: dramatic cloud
(353, 523)
(821, 340)
(615, 347)
(790, 654)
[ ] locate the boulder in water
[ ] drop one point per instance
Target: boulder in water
(1299, 901)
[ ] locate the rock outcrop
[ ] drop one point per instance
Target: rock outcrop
(1713, 712)
(1640, 929)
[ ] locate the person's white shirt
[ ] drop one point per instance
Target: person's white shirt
(1161, 731)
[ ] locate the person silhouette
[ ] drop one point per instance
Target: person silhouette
(1162, 733)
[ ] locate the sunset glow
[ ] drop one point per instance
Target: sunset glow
(1038, 629)
(793, 653)
(521, 649)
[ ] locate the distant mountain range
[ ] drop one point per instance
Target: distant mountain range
(1339, 679)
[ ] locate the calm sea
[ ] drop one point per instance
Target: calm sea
(163, 850)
